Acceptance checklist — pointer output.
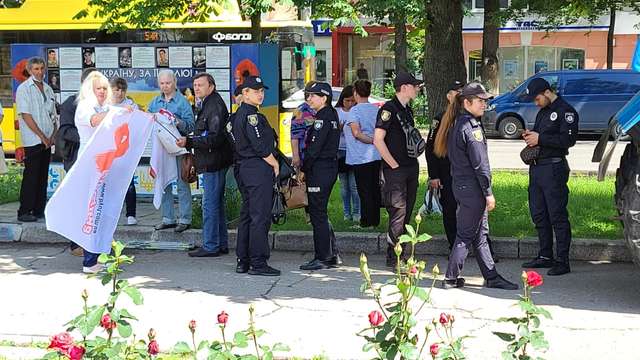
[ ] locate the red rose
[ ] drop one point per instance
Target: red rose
(444, 318)
(376, 318)
(433, 349)
(107, 323)
(153, 348)
(413, 270)
(192, 326)
(76, 352)
(222, 318)
(533, 279)
(61, 342)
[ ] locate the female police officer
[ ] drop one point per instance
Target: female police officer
(461, 139)
(320, 166)
(255, 171)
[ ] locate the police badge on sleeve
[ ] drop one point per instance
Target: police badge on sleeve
(569, 117)
(385, 115)
(253, 120)
(477, 134)
(317, 124)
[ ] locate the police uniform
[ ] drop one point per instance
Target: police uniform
(557, 126)
(471, 173)
(320, 166)
(253, 140)
(400, 184)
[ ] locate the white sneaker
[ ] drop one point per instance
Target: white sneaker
(131, 220)
(93, 269)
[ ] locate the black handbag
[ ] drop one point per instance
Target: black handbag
(278, 207)
(286, 168)
(530, 154)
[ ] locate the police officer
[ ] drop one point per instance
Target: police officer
(461, 138)
(394, 125)
(320, 166)
(255, 170)
(554, 132)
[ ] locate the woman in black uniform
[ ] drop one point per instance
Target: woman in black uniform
(462, 139)
(320, 166)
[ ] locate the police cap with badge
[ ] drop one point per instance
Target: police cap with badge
(475, 89)
(319, 88)
(253, 82)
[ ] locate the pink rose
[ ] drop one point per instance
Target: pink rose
(223, 317)
(61, 342)
(153, 348)
(107, 323)
(533, 279)
(76, 352)
(376, 318)
(444, 318)
(434, 349)
(192, 326)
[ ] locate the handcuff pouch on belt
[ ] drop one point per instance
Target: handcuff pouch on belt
(529, 154)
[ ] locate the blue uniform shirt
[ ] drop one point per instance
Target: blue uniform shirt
(179, 106)
(557, 126)
(251, 133)
(467, 152)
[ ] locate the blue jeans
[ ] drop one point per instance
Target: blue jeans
(214, 223)
(349, 193)
(184, 200)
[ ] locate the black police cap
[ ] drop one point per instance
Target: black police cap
(404, 78)
(536, 87)
(456, 86)
(254, 82)
(475, 89)
(319, 88)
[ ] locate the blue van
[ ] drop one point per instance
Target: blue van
(597, 95)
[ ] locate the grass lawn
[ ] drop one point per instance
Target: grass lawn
(10, 184)
(590, 209)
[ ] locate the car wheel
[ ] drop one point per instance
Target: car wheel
(510, 128)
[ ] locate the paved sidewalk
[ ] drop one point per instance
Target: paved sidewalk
(596, 312)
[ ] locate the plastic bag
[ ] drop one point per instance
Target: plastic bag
(431, 203)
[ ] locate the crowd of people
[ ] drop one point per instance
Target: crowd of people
(373, 150)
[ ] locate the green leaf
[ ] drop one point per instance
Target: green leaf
(514, 320)
(106, 278)
(505, 336)
(538, 341)
(404, 239)
(51, 355)
(95, 315)
(523, 330)
(368, 347)
(421, 293)
(124, 329)
(268, 355)
(408, 351)
(280, 347)
(535, 322)
(124, 314)
(424, 238)
(410, 231)
(240, 339)
(203, 345)
(103, 258)
(182, 348)
(134, 294)
(117, 248)
(543, 312)
(392, 351)
(259, 333)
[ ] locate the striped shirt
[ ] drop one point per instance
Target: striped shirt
(40, 105)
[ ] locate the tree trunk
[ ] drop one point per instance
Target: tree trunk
(444, 56)
(400, 43)
(490, 44)
(610, 35)
(256, 27)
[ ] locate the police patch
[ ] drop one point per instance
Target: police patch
(317, 124)
(569, 117)
(229, 127)
(477, 134)
(553, 116)
(385, 115)
(253, 119)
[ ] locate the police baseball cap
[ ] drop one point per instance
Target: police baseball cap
(238, 90)
(536, 87)
(404, 78)
(319, 88)
(475, 89)
(456, 86)
(253, 82)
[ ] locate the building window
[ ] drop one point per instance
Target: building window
(478, 5)
(368, 58)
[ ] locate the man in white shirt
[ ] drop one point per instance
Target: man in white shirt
(36, 105)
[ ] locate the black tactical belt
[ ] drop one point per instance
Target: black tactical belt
(546, 161)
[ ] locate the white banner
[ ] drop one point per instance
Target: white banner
(86, 206)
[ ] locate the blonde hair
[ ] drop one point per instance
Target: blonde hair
(86, 89)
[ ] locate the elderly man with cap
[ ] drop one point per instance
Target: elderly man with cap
(256, 169)
(399, 146)
(320, 166)
(462, 139)
(554, 132)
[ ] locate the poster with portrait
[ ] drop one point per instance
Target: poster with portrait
(106, 57)
(540, 65)
(88, 57)
(52, 58)
(180, 57)
(143, 57)
(53, 79)
(510, 69)
(70, 57)
(569, 64)
(199, 57)
(124, 57)
(162, 57)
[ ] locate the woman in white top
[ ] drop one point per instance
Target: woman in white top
(348, 189)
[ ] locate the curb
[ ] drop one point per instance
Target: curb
(302, 241)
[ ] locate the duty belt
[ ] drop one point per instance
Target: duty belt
(549, 160)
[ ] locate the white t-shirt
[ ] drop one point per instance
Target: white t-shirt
(86, 109)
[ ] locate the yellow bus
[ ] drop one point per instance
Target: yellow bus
(50, 23)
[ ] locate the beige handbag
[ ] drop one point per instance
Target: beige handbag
(295, 195)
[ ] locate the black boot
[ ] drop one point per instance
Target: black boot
(499, 282)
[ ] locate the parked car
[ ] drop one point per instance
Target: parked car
(597, 95)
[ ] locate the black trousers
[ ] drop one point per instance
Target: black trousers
(400, 189)
(472, 230)
(449, 207)
(33, 190)
(548, 199)
(255, 180)
(320, 181)
(130, 200)
(368, 183)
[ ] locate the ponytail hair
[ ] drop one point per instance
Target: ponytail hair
(440, 145)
